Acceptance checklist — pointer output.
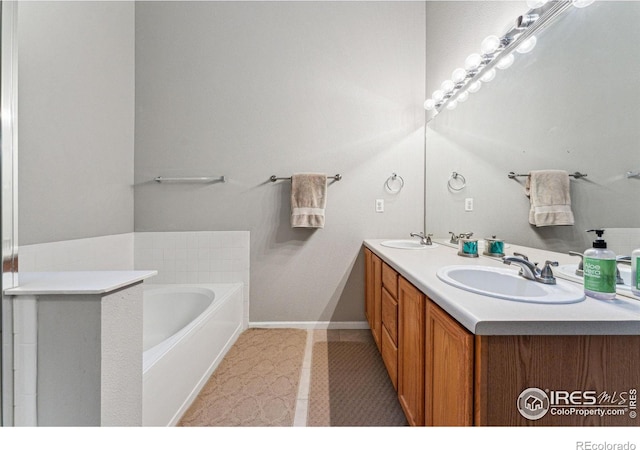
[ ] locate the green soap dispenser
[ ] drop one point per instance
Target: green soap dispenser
(600, 269)
(635, 272)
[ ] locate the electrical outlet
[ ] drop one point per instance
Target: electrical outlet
(468, 204)
(379, 205)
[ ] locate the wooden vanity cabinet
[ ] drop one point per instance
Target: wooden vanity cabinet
(447, 376)
(373, 295)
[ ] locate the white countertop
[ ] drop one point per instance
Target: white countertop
(71, 283)
(483, 315)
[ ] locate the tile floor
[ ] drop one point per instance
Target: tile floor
(313, 336)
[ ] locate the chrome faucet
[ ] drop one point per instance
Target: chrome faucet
(424, 239)
(530, 270)
(454, 239)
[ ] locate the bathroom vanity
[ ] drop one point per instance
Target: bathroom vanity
(459, 358)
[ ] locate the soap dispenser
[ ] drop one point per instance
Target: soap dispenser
(599, 269)
(635, 272)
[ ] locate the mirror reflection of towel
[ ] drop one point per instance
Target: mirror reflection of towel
(308, 200)
(548, 191)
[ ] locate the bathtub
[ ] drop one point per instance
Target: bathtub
(187, 331)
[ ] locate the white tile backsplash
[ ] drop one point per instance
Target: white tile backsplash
(113, 252)
(194, 256)
(178, 256)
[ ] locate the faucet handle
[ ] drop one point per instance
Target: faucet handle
(521, 255)
(579, 270)
(546, 274)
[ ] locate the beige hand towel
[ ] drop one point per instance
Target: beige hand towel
(548, 191)
(308, 200)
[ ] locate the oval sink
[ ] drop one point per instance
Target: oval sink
(506, 284)
(406, 244)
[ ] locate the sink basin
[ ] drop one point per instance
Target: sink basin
(406, 244)
(568, 271)
(505, 283)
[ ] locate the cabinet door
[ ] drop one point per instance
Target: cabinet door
(368, 285)
(449, 370)
(411, 351)
(373, 294)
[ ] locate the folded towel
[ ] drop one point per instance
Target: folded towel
(308, 200)
(548, 191)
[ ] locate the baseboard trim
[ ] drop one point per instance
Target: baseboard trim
(313, 325)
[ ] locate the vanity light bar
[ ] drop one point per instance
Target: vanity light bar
(497, 52)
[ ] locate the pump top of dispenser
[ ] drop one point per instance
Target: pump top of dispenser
(599, 242)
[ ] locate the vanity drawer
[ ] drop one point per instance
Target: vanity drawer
(390, 315)
(390, 280)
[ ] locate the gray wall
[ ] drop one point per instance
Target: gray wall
(559, 107)
(76, 119)
(254, 89)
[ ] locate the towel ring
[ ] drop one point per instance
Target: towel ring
(460, 184)
(394, 179)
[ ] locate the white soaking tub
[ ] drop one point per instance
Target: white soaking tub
(187, 331)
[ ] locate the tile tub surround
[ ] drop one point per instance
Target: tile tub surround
(178, 256)
(195, 257)
(110, 252)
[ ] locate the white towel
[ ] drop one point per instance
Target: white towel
(308, 200)
(548, 191)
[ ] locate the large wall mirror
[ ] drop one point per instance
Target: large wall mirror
(572, 103)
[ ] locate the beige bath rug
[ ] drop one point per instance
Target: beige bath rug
(256, 384)
(350, 387)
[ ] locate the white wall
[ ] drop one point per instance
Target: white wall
(76, 119)
(254, 89)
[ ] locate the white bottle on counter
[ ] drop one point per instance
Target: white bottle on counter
(600, 270)
(635, 274)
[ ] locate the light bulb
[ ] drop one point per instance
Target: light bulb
(505, 62)
(488, 76)
(473, 61)
(452, 104)
(437, 95)
(463, 97)
(474, 87)
(490, 45)
(447, 86)
(429, 104)
(459, 75)
(532, 4)
(527, 45)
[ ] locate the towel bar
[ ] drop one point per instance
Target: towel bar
(274, 178)
(576, 175)
(221, 179)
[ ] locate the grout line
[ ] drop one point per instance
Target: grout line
(302, 401)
